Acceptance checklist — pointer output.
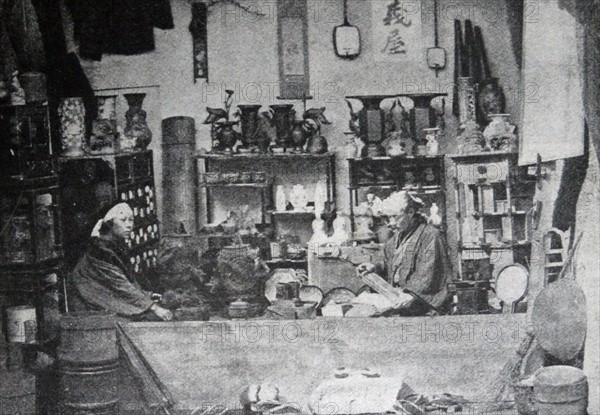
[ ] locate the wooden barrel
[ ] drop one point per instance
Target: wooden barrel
(560, 390)
(88, 364)
(88, 339)
(90, 390)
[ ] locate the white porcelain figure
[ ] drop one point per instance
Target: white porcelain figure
(434, 217)
(298, 197)
(319, 235)
(432, 141)
(320, 198)
(340, 234)
(280, 200)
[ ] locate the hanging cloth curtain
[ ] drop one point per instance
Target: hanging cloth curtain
(552, 85)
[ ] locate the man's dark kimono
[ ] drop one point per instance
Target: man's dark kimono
(102, 281)
(417, 260)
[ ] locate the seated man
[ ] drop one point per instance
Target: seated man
(415, 261)
(103, 280)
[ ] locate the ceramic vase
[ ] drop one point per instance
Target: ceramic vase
(283, 116)
(137, 131)
(71, 112)
(299, 136)
(320, 198)
(280, 200)
(227, 136)
(500, 134)
(466, 100)
(249, 122)
(490, 100)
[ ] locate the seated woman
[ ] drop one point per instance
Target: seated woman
(102, 279)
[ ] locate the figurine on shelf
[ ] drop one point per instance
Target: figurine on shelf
(298, 197)
(433, 146)
(434, 215)
(340, 233)
(398, 139)
(353, 124)
(319, 235)
(222, 133)
(500, 134)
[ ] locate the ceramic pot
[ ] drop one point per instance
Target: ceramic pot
(466, 100)
(490, 100)
(317, 144)
(249, 123)
(299, 137)
(71, 112)
(500, 133)
(226, 135)
(136, 128)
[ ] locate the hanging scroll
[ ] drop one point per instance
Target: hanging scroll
(199, 40)
(397, 31)
(293, 49)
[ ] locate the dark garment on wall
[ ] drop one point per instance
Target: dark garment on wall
(121, 27)
(102, 280)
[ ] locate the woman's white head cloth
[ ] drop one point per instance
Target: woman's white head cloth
(121, 210)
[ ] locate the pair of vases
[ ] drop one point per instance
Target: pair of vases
(71, 111)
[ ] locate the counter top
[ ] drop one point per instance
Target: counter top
(193, 364)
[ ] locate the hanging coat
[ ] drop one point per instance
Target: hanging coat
(123, 27)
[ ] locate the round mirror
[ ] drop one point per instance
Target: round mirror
(511, 283)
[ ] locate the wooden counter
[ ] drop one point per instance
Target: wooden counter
(190, 365)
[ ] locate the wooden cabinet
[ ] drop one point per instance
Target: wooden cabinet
(493, 205)
(227, 182)
(31, 251)
(423, 177)
(89, 182)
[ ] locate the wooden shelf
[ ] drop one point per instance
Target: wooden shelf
(263, 156)
(251, 185)
(396, 158)
(481, 247)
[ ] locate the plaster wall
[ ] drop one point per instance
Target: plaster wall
(242, 55)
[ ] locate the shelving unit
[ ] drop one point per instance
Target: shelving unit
(31, 248)
(423, 177)
(89, 181)
(278, 169)
(493, 200)
(275, 169)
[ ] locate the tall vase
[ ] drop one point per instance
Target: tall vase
(71, 112)
(466, 99)
(249, 120)
(137, 133)
(283, 115)
(490, 100)
(104, 127)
